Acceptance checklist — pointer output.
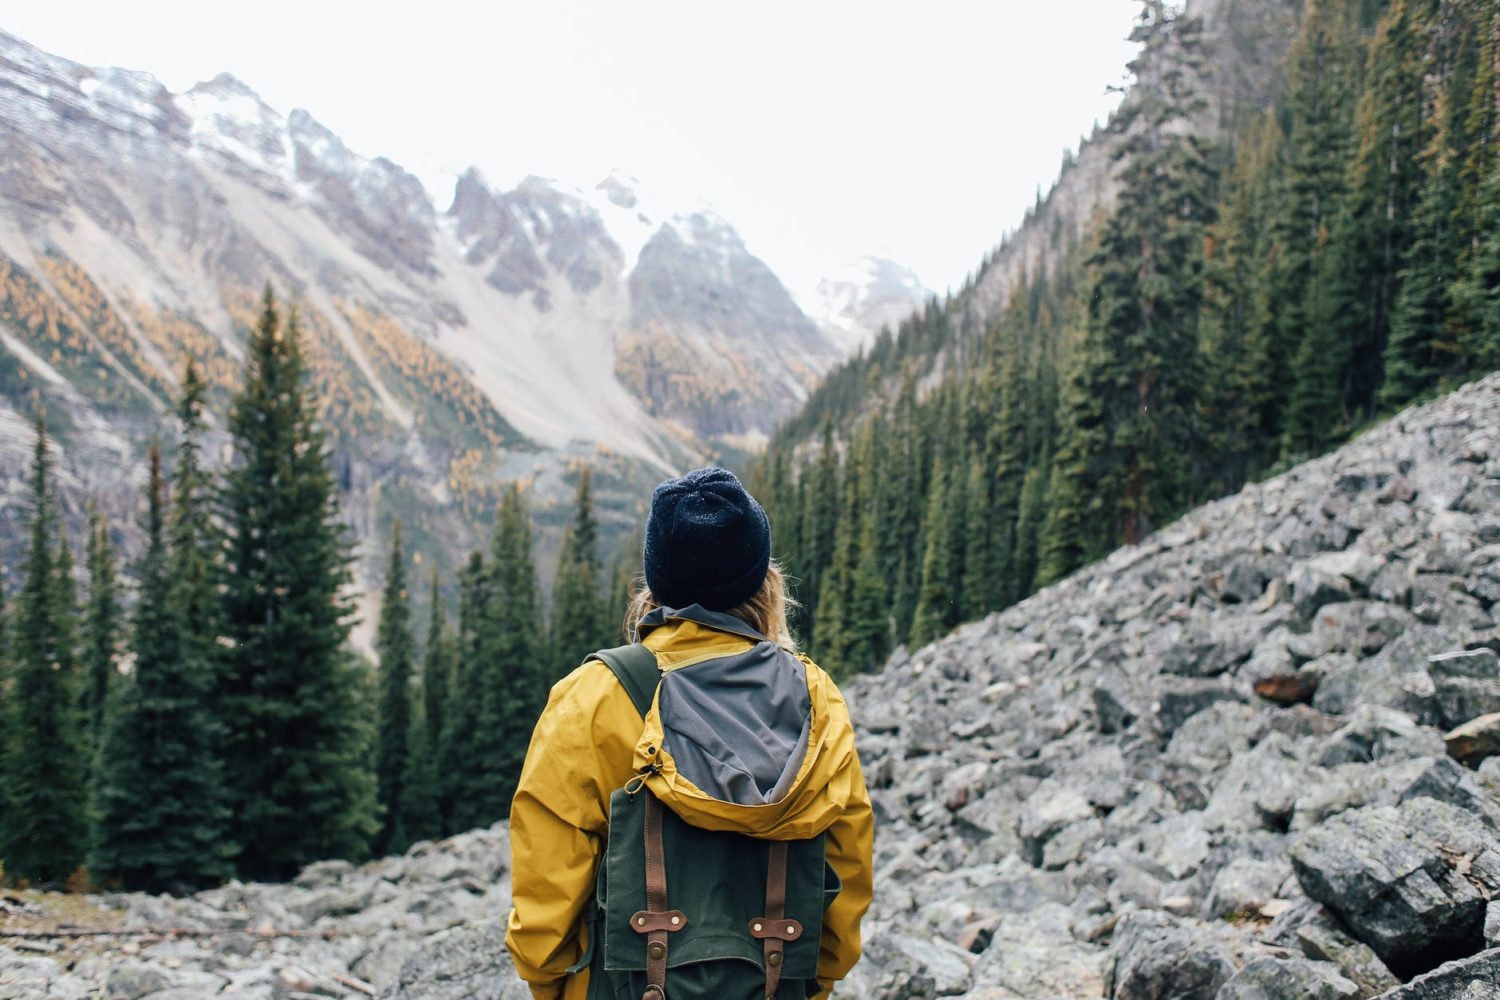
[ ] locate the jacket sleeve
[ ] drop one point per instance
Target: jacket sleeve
(849, 848)
(579, 753)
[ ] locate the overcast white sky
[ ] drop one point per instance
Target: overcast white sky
(823, 129)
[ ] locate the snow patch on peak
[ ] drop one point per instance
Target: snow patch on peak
(855, 300)
(230, 119)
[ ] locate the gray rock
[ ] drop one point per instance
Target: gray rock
(1492, 924)
(1277, 979)
(1374, 733)
(131, 980)
(1313, 588)
(1474, 978)
(1394, 877)
(1050, 808)
(1155, 956)
(1244, 885)
(1321, 937)
(466, 963)
(1186, 698)
(1445, 780)
(1467, 683)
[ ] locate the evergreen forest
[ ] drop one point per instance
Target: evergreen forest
(1259, 293)
(1251, 301)
(217, 723)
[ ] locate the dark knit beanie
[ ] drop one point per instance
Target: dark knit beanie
(707, 542)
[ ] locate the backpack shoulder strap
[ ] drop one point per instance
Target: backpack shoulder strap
(635, 667)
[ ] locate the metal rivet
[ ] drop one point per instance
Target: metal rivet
(641, 921)
(757, 928)
(774, 958)
(676, 921)
(791, 928)
(657, 950)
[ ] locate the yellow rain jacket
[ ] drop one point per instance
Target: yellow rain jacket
(590, 741)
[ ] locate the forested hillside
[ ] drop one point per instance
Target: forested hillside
(1264, 283)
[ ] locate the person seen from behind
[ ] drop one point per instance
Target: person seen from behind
(691, 820)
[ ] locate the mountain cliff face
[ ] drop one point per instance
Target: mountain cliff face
(1251, 757)
(503, 337)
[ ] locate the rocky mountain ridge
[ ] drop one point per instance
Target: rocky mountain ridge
(1254, 756)
(509, 336)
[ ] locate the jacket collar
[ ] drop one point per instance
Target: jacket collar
(702, 616)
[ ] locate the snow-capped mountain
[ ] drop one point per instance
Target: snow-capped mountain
(452, 349)
(856, 301)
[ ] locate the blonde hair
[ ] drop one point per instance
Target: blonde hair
(765, 612)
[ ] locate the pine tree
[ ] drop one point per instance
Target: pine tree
(1028, 529)
(459, 760)
(421, 807)
(101, 627)
(293, 698)
(1131, 448)
(43, 832)
(162, 812)
(1306, 351)
(818, 527)
(1475, 315)
(503, 677)
(393, 645)
(1358, 278)
(437, 686)
(579, 622)
(934, 600)
(1418, 354)
(1238, 319)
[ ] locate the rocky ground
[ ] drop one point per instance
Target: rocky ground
(1248, 758)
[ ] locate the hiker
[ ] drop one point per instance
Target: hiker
(691, 821)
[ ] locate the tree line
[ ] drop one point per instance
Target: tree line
(219, 724)
(1248, 303)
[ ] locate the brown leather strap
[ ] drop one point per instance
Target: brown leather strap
(654, 921)
(774, 929)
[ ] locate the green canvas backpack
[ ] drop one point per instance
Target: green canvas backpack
(690, 914)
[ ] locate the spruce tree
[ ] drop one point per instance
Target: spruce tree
(1131, 452)
(934, 599)
(162, 812)
(459, 760)
(1338, 374)
(1475, 315)
(1245, 374)
(1028, 529)
(293, 698)
(101, 627)
(421, 806)
(393, 645)
(1418, 352)
(504, 677)
(44, 829)
(438, 657)
(1305, 351)
(579, 622)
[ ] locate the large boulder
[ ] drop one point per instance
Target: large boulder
(1277, 979)
(1410, 881)
(1322, 938)
(1155, 956)
(1475, 978)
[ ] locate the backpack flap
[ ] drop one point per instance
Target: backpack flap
(718, 881)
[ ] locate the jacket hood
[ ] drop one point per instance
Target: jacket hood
(743, 735)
